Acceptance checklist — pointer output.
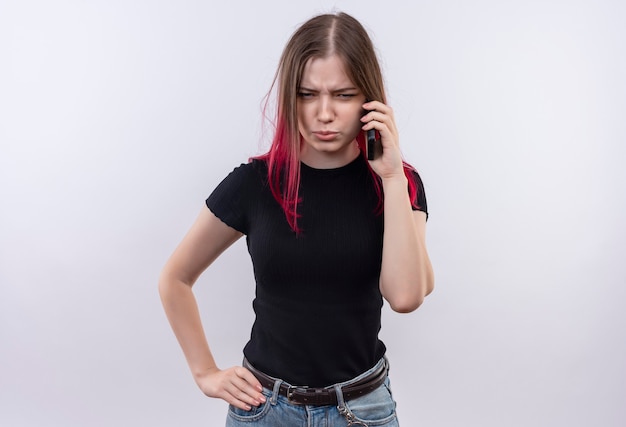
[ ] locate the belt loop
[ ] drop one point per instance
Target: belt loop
(344, 410)
(341, 405)
(275, 392)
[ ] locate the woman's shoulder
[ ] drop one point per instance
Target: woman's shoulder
(254, 170)
(259, 165)
(244, 181)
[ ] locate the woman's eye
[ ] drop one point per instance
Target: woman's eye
(346, 95)
(305, 95)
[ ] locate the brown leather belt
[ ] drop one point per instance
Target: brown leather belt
(301, 395)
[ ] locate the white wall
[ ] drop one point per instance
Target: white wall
(117, 118)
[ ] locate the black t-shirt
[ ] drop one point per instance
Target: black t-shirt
(317, 301)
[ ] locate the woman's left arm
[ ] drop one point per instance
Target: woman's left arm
(406, 275)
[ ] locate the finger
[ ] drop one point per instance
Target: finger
(378, 106)
(380, 116)
(237, 397)
(388, 134)
(239, 403)
(249, 378)
(243, 390)
(375, 120)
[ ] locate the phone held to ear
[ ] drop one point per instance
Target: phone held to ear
(370, 141)
(371, 144)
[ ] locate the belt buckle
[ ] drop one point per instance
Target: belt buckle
(290, 391)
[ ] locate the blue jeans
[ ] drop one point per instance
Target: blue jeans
(374, 409)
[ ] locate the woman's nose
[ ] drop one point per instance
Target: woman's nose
(325, 112)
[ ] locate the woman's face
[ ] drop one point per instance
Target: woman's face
(329, 107)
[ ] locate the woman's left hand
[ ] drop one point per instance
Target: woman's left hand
(380, 117)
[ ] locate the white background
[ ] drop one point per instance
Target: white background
(117, 119)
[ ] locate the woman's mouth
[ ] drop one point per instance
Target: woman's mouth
(325, 135)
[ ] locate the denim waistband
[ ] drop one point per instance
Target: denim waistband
(332, 394)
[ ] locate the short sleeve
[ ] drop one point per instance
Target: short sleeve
(420, 201)
(229, 200)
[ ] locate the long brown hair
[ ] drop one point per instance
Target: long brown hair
(319, 37)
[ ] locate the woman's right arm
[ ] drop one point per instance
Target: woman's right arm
(205, 241)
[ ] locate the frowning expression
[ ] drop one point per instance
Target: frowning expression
(329, 108)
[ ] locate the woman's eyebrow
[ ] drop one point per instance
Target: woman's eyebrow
(343, 89)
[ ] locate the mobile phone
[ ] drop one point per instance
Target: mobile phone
(371, 144)
(370, 141)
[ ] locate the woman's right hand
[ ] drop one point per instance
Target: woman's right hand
(235, 385)
(206, 240)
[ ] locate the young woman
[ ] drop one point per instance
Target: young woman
(330, 234)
